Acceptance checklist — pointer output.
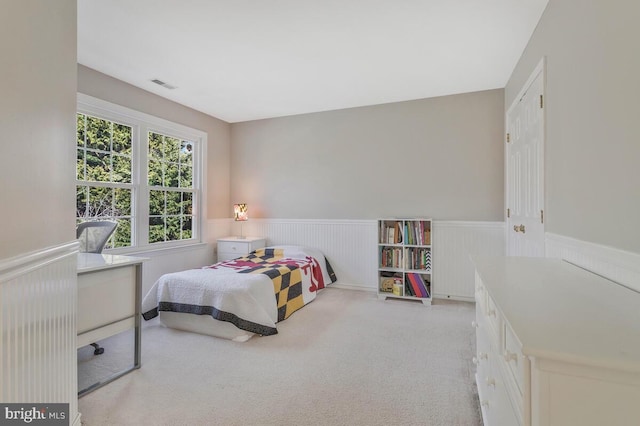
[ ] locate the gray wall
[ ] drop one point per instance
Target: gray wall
(592, 110)
(438, 157)
(94, 83)
(37, 121)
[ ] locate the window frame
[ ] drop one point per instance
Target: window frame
(141, 125)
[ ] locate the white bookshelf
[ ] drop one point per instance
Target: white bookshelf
(405, 263)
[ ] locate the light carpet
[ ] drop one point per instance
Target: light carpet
(345, 359)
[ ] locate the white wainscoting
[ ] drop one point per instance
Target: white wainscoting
(454, 242)
(351, 247)
(617, 265)
(168, 260)
(38, 359)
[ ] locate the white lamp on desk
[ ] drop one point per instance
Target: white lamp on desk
(240, 214)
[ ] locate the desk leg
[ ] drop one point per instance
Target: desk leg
(138, 319)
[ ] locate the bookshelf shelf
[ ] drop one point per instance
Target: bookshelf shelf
(404, 259)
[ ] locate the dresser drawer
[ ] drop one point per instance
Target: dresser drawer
(493, 318)
(501, 409)
(480, 295)
(516, 362)
(483, 343)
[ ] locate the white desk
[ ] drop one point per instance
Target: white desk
(109, 299)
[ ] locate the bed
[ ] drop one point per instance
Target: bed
(237, 299)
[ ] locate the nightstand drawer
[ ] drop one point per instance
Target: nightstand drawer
(232, 248)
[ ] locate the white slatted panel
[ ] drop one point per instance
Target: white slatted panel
(453, 245)
(618, 265)
(38, 360)
(349, 245)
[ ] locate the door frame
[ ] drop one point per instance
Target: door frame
(540, 69)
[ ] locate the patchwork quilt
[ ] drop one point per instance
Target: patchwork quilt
(252, 292)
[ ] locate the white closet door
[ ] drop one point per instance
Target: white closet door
(525, 171)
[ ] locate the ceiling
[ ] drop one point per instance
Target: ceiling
(241, 60)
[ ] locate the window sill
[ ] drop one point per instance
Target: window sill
(151, 251)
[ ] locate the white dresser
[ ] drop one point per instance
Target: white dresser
(233, 247)
(556, 345)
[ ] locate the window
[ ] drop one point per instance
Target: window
(103, 171)
(170, 188)
(141, 171)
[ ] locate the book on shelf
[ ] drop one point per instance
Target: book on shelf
(390, 257)
(423, 285)
(408, 288)
(419, 285)
(391, 232)
(416, 287)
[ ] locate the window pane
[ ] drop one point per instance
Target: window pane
(186, 176)
(186, 153)
(80, 129)
(80, 169)
(171, 175)
(155, 145)
(187, 227)
(122, 202)
(121, 169)
(100, 203)
(155, 172)
(156, 202)
(173, 203)
(122, 235)
(187, 203)
(98, 134)
(81, 201)
(171, 149)
(173, 228)
(156, 229)
(121, 139)
(98, 166)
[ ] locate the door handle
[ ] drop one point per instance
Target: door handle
(518, 228)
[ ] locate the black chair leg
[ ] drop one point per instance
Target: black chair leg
(98, 350)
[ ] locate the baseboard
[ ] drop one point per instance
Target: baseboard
(456, 298)
(355, 287)
(622, 267)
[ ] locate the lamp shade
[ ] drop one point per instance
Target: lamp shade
(240, 213)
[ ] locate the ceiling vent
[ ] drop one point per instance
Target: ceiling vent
(163, 84)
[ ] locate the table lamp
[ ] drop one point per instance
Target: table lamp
(240, 214)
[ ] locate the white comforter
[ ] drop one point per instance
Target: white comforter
(222, 291)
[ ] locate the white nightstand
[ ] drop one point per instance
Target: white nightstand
(234, 247)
